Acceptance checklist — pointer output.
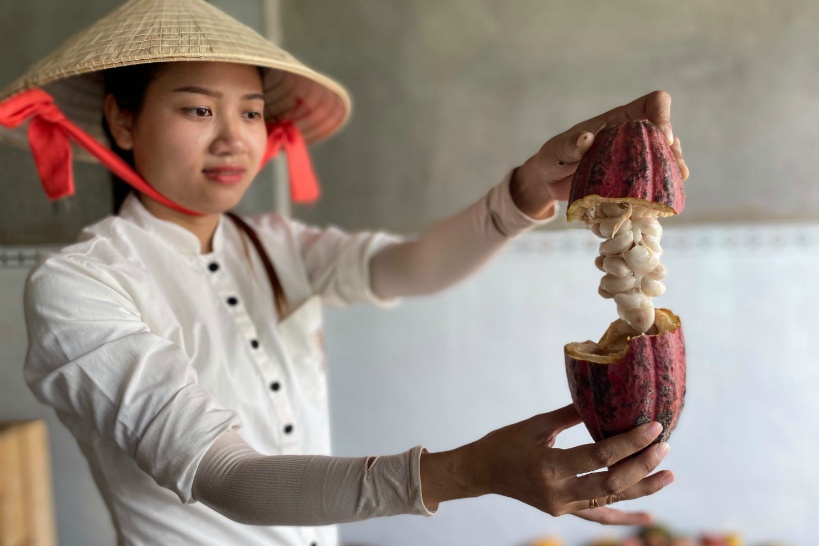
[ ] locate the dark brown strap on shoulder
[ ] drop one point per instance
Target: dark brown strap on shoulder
(280, 299)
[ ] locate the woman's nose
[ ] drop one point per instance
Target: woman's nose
(229, 139)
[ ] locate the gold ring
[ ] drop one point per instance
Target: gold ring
(593, 503)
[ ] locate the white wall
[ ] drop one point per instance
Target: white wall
(444, 371)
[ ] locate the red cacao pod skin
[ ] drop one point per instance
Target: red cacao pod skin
(628, 163)
(645, 384)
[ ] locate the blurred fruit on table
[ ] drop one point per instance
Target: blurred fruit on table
(632, 541)
(730, 539)
(548, 541)
(734, 539)
(656, 535)
(708, 539)
(606, 542)
(684, 541)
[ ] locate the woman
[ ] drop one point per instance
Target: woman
(182, 346)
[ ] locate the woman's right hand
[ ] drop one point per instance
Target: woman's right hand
(519, 461)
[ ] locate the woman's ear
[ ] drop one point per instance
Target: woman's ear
(120, 123)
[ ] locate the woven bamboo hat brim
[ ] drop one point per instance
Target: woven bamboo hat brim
(146, 31)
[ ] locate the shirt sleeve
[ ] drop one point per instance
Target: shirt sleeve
(92, 357)
(338, 263)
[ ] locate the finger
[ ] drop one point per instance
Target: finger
(646, 486)
(614, 482)
(558, 158)
(605, 453)
(655, 107)
(563, 418)
(611, 516)
(546, 426)
(677, 149)
(549, 425)
(561, 189)
(570, 146)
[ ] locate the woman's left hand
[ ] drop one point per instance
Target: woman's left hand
(547, 175)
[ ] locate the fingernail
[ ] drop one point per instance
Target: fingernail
(653, 430)
(582, 140)
(667, 479)
(662, 449)
(669, 135)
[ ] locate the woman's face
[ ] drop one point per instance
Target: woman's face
(200, 135)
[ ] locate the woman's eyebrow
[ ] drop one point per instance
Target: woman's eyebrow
(215, 94)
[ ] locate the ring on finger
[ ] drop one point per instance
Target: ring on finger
(593, 503)
(611, 499)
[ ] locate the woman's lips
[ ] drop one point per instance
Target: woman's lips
(225, 175)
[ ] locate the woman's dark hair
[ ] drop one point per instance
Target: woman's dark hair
(128, 85)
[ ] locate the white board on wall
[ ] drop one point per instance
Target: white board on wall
(444, 370)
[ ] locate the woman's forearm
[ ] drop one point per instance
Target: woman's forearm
(450, 475)
(248, 487)
(451, 249)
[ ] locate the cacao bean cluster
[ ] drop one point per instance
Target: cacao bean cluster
(630, 258)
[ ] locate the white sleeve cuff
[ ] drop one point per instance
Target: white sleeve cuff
(173, 445)
(359, 278)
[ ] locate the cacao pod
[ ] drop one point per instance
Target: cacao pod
(628, 378)
(628, 163)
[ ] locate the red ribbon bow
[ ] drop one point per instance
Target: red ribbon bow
(50, 132)
(304, 186)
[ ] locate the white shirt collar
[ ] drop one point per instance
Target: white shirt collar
(171, 234)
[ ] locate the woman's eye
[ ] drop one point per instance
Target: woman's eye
(199, 112)
(254, 115)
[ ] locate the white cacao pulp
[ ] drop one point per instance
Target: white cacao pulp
(630, 257)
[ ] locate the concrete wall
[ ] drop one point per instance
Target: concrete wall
(450, 95)
(31, 30)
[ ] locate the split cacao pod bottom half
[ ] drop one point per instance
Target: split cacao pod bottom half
(636, 372)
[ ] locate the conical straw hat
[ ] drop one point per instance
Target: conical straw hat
(146, 31)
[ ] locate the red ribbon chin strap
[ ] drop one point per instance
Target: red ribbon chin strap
(50, 133)
(304, 187)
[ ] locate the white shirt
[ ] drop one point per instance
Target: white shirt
(158, 349)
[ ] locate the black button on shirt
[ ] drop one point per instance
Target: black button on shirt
(288, 429)
(254, 343)
(232, 301)
(275, 386)
(213, 266)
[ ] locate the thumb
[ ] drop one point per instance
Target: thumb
(564, 418)
(658, 112)
(557, 421)
(570, 148)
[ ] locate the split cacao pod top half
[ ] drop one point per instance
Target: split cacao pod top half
(629, 163)
(636, 372)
